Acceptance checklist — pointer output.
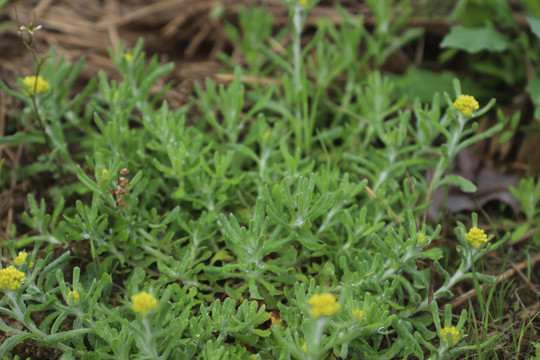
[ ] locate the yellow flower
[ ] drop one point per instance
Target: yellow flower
(304, 347)
(142, 302)
(275, 319)
(105, 174)
(21, 258)
(300, 2)
(128, 57)
(11, 278)
(323, 305)
(477, 237)
(358, 314)
(36, 86)
(452, 330)
(74, 297)
(466, 104)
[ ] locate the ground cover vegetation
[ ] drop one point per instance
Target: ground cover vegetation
(304, 208)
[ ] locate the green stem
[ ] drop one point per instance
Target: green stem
(148, 340)
(40, 121)
(38, 62)
(445, 159)
(297, 51)
(297, 72)
(320, 324)
(463, 269)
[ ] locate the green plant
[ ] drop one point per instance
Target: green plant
(499, 49)
(255, 223)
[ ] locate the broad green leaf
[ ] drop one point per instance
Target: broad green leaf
(533, 87)
(534, 23)
(423, 84)
(473, 40)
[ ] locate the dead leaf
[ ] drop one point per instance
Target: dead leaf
(491, 185)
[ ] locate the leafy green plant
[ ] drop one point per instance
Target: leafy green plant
(493, 55)
(256, 223)
(528, 193)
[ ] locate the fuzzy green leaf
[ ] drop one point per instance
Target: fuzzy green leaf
(459, 181)
(12, 341)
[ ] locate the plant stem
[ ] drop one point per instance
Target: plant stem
(38, 62)
(297, 74)
(445, 159)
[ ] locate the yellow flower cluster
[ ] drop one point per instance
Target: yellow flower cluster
(358, 314)
(36, 86)
(477, 237)
(466, 104)
(74, 297)
(452, 330)
(11, 278)
(323, 305)
(142, 302)
(21, 258)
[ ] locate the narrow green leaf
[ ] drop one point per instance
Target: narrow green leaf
(459, 181)
(20, 137)
(12, 341)
(55, 338)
